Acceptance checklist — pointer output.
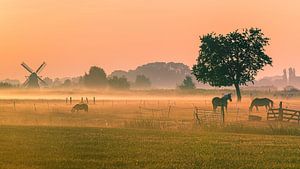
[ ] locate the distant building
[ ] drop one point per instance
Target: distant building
(277, 81)
(293, 79)
(287, 79)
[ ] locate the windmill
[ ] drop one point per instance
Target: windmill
(34, 80)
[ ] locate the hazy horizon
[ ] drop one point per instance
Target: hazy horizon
(73, 35)
(44, 73)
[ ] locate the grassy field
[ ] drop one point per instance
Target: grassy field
(65, 147)
(140, 129)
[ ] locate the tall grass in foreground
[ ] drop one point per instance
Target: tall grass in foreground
(270, 129)
(92, 148)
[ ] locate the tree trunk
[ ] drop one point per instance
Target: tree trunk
(238, 92)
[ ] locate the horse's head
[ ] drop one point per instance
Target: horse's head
(250, 108)
(229, 97)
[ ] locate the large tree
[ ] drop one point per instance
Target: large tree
(233, 59)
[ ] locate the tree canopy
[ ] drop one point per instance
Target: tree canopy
(232, 59)
(67, 83)
(95, 78)
(142, 81)
(118, 82)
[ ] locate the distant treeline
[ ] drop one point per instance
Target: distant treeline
(6, 85)
(151, 75)
(96, 77)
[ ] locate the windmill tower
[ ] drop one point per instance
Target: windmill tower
(34, 80)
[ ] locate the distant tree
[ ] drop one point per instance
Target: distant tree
(142, 81)
(233, 59)
(67, 83)
(48, 81)
(187, 83)
(118, 82)
(57, 82)
(161, 74)
(95, 78)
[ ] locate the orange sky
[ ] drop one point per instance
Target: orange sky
(72, 35)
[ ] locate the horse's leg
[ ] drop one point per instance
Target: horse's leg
(222, 108)
(256, 108)
(214, 107)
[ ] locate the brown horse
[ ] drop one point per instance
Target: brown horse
(257, 102)
(222, 102)
(79, 107)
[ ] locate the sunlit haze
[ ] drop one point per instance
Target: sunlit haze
(72, 35)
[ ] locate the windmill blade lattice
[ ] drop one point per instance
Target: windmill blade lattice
(42, 81)
(27, 67)
(41, 67)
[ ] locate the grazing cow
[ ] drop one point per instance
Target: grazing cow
(222, 102)
(79, 107)
(268, 103)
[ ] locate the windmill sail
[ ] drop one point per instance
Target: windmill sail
(42, 81)
(27, 67)
(41, 68)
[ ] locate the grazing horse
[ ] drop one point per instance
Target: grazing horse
(216, 101)
(78, 107)
(268, 103)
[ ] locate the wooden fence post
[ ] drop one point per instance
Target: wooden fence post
(14, 105)
(298, 118)
(169, 111)
(196, 117)
(280, 111)
(223, 114)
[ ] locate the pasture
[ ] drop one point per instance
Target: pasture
(77, 147)
(140, 130)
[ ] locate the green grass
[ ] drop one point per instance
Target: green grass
(66, 147)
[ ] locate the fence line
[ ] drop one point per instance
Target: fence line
(207, 116)
(283, 114)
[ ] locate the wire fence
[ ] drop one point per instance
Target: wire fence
(116, 111)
